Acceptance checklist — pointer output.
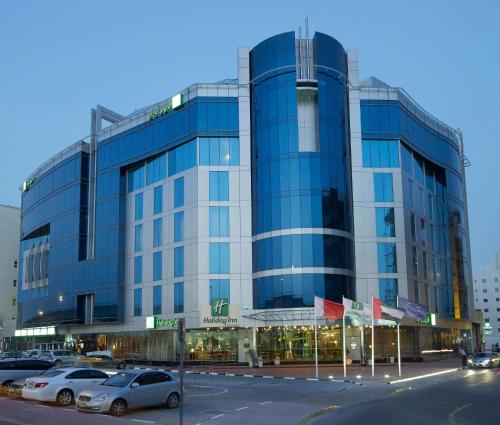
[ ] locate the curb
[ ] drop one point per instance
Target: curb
(320, 412)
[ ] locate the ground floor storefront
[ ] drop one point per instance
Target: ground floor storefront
(275, 344)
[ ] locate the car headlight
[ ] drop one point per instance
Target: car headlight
(470, 361)
(101, 397)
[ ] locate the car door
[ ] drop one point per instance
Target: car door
(80, 380)
(140, 396)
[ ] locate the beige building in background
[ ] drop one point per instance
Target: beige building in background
(9, 263)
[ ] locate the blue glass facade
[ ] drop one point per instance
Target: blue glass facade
(56, 204)
(296, 189)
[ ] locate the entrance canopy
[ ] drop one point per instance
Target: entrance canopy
(278, 316)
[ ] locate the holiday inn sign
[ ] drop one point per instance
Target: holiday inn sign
(220, 314)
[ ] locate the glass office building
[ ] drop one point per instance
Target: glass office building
(233, 204)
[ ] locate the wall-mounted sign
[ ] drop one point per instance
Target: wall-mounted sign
(28, 183)
(175, 102)
(429, 320)
(153, 322)
(44, 331)
(220, 313)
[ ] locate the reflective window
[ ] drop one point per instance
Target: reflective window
(179, 261)
(138, 302)
(157, 265)
(436, 299)
(429, 177)
(179, 192)
(179, 297)
(219, 151)
(383, 187)
(432, 236)
(406, 159)
(413, 227)
(138, 238)
(388, 291)
(158, 200)
(219, 289)
(157, 232)
(410, 197)
(418, 168)
(156, 169)
(380, 153)
(423, 233)
(386, 253)
(219, 257)
(385, 222)
(416, 292)
(139, 206)
(219, 185)
(430, 207)
(138, 269)
(182, 158)
(219, 221)
(425, 265)
(157, 299)
(434, 268)
(136, 177)
(179, 226)
(427, 300)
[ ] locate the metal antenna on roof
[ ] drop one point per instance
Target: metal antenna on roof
(299, 56)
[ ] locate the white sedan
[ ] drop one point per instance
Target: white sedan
(61, 385)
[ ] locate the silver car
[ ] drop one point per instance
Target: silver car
(129, 390)
(486, 359)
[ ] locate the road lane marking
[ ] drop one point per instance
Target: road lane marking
(69, 410)
(428, 375)
(217, 416)
(142, 421)
(265, 402)
(451, 415)
(247, 376)
(41, 405)
(241, 408)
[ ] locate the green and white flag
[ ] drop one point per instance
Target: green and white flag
(358, 312)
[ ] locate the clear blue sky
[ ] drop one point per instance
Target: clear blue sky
(58, 59)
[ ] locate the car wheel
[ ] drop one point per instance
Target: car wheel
(65, 397)
(57, 362)
(6, 384)
(118, 408)
(122, 365)
(173, 401)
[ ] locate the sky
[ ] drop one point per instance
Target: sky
(58, 59)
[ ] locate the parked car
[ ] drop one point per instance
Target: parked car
(95, 359)
(61, 385)
(9, 355)
(16, 388)
(60, 357)
(129, 390)
(486, 359)
(11, 370)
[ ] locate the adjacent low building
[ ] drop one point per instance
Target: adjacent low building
(232, 204)
(487, 299)
(9, 250)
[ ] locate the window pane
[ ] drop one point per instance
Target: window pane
(157, 293)
(158, 199)
(219, 185)
(138, 238)
(219, 289)
(179, 226)
(367, 162)
(139, 206)
(214, 151)
(179, 297)
(388, 291)
(235, 151)
(204, 151)
(224, 151)
(219, 257)
(386, 257)
(138, 269)
(157, 265)
(219, 221)
(393, 153)
(413, 228)
(136, 177)
(383, 187)
(157, 233)
(138, 302)
(385, 222)
(156, 169)
(179, 261)
(179, 192)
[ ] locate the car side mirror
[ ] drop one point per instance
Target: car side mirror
(134, 385)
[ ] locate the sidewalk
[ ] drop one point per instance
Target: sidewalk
(383, 372)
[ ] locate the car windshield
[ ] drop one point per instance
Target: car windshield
(50, 373)
(119, 380)
(482, 355)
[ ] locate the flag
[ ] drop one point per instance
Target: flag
(358, 311)
(414, 310)
(328, 309)
(383, 311)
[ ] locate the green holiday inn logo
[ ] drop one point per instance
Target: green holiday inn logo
(153, 322)
(220, 308)
(357, 306)
(175, 102)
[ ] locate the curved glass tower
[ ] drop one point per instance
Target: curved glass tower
(301, 203)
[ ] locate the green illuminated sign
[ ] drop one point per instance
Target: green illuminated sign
(175, 102)
(153, 322)
(28, 183)
(220, 308)
(429, 320)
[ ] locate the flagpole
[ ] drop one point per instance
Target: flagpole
(399, 353)
(373, 343)
(343, 343)
(316, 342)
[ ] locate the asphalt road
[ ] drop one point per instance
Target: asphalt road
(465, 398)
